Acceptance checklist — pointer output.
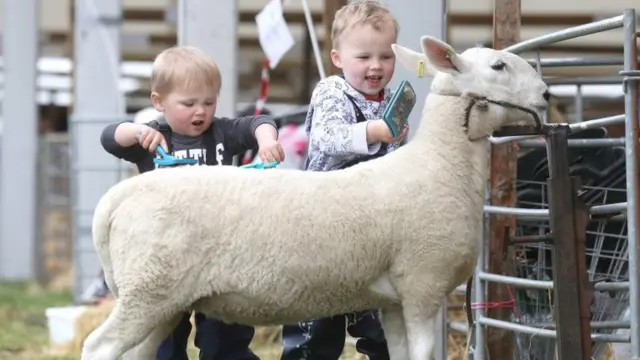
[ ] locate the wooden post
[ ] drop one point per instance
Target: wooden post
(330, 8)
(569, 217)
(502, 182)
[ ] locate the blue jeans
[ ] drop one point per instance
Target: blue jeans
(215, 339)
(323, 339)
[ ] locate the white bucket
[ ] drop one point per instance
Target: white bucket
(61, 323)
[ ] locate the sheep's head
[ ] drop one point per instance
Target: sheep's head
(496, 75)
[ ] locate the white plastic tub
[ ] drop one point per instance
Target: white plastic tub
(61, 323)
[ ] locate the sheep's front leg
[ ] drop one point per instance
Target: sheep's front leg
(395, 332)
(420, 320)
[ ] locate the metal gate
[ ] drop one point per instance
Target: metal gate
(610, 189)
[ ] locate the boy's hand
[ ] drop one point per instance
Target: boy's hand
(150, 138)
(378, 131)
(270, 151)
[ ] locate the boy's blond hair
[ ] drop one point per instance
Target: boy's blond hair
(184, 67)
(361, 12)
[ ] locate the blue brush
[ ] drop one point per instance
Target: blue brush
(260, 165)
(168, 160)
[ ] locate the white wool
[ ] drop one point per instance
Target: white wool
(278, 246)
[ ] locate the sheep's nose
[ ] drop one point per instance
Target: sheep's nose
(546, 95)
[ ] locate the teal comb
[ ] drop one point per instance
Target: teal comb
(397, 112)
(260, 165)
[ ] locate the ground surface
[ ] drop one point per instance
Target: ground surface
(23, 327)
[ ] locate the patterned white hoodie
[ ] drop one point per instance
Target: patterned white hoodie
(335, 136)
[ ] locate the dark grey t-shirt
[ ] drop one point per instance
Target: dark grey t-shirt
(187, 147)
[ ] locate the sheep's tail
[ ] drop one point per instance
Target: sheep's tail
(102, 218)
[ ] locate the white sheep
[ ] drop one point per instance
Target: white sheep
(263, 247)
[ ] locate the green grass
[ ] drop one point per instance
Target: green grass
(23, 326)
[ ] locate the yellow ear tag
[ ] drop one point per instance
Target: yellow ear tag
(420, 69)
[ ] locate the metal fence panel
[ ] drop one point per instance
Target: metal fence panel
(54, 245)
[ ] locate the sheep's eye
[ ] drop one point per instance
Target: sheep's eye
(498, 65)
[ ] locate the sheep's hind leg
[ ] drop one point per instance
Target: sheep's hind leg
(395, 332)
(420, 320)
(148, 349)
(126, 326)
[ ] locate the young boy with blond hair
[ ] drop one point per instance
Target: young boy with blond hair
(185, 85)
(345, 127)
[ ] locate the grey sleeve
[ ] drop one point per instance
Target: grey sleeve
(133, 154)
(240, 133)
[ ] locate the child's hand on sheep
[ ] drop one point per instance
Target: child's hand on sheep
(378, 131)
(150, 138)
(269, 149)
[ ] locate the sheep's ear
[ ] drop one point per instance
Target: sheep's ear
(414, 61)
(442, 56)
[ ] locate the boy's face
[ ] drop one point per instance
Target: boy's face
(366, 58)
(188, 113)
